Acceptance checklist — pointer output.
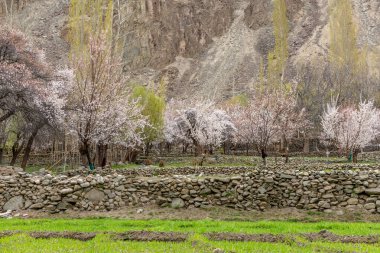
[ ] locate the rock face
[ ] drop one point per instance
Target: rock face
(201, 47)
(240, 188)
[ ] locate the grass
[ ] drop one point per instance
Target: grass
(223, 161)
(196, 243)
(200, 226)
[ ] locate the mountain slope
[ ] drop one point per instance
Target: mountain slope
(205, 48)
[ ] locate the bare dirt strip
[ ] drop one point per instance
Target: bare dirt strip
(247, 237)
(327, 236)
(66, 235)
(144, 236)
(151, 236)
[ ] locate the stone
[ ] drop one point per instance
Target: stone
(95, 195)
(261, 190)
(15, 203)
(85, 185)
(177, 203)
(324, 204)
(160, 200)
(373, 191)
(37, 206)
(352, 201)
(218, 251)
(359, 190)
(370, 206)
(328, 196)
(55, 198)
(66, 191)
(62, 206)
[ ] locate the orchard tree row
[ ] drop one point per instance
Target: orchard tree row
(93, 101)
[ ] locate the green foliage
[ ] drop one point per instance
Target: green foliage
(88, 18)
(271, 77)
(277, 59)
(348, 61)
(153, 108)
(343, 49)
(241, 99)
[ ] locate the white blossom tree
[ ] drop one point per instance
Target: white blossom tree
(202, 125)
(266, 119)
(351, 127)
(101, 109)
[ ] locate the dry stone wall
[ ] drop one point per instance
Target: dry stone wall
(254, 190)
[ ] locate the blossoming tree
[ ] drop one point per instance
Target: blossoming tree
(202, 125)
(266, 119)
(351, 127)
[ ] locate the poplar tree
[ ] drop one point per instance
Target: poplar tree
(153, 108)
(349, 72)
(277, 58)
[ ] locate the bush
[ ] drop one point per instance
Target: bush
(148, 162)
(161, 164)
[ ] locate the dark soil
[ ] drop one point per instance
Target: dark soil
(8, 233)
(67, 235)
(325, 235)
(247, 237)
(151, 236)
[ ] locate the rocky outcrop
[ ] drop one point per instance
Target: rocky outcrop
(205, 48)
(254, 190)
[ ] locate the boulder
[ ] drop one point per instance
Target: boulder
(177, 203)
(15, 203)
(95, 195)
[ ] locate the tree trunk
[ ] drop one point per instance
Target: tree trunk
(355, 156)
(6, 116)
(168, 147)
(306, 145)
(264, 156)
(102, 154)
(16, 150)
(198, 149)
(286, 144)
(131, 155)
(28, 148)
(85, 151)
(147, 148)
(185, 147)
(1, 155)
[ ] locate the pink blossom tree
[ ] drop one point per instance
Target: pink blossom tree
(27, 88)
(351, 127)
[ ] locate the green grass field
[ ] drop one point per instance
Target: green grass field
(196, 242)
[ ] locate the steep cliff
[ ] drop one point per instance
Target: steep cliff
(205, 48)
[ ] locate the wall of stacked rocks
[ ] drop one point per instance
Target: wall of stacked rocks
(253, 189)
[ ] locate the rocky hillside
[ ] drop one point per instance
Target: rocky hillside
(204, 48)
